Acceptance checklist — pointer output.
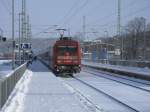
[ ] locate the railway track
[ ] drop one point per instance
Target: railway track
(120, 76)
(118, 80)
(108, 95)
(129, 94)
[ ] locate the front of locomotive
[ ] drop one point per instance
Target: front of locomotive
(68, 56)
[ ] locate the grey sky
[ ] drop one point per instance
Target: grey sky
(100, 15)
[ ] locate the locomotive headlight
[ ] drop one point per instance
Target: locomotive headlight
(76, 61)
(58, 61)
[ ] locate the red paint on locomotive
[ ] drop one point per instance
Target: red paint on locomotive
(66, 56)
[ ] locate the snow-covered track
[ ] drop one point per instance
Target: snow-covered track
(118, 81)
(108, 95)
(125, 72)
(120, 76)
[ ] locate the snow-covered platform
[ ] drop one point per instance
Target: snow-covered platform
(5, 67)
(142, 73)
(41, 91)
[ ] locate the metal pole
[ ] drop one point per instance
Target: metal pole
(119, 25)
(19, 38)
(107, 44)
(28, 28)
(122, 46)
(144, 50)
(30, 33)
(23, 29)
(119, 19)
(84, 27)
(13, 33)
(1, 34)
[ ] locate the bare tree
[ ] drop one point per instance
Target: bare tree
(135, 30)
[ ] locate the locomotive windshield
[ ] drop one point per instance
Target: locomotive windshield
(70, 49)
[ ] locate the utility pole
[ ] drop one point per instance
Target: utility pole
(28, 29)
(23, 32)
(19, 38)
(144, 50)
(84, 27)
(107, 43)
(118, 19)
(23, 29)
(13, 34)
(119, 27)
(30, 33)
(1, 36)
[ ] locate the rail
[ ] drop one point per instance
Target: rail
(8, 83)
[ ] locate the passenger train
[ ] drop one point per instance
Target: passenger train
(64, 56)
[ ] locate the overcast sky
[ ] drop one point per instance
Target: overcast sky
(101, 15)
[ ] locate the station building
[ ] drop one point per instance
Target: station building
(97, 50)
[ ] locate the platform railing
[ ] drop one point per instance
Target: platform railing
(8, 83)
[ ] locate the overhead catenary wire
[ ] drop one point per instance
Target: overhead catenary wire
(70, 10)
(44, 30)
(125, 17)
(68, 16)
(74, 14)
(113, 13)
(68, 19)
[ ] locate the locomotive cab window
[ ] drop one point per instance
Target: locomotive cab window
(70, 49)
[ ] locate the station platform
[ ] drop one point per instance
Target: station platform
(46, 93)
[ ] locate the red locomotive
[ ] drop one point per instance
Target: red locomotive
(66, 56)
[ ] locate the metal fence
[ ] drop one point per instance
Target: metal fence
(8, 83)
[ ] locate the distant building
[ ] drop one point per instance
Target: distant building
(97, 50)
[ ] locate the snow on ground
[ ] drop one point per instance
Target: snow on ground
(16, 99)
(129, 95)
(134, 97)
(40, 91)
(84, 101)
(5, 67)
(47, 94)
(4, 61)
(144, 71)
